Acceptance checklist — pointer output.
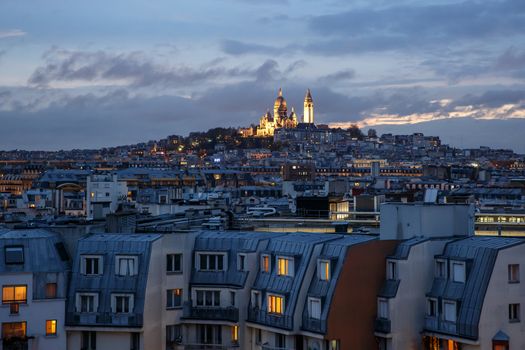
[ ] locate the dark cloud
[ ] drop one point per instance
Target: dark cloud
(237, 48)
(416, 26)
(494, 98)
(335, 77)
(135, 68)
(511, 59)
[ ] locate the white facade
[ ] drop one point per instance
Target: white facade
(103, 195)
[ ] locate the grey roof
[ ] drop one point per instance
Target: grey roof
(479, 253)
(40, 251)
(300, 246)
(403, 248)
(108, 246)
(336, 252)
(232, 243)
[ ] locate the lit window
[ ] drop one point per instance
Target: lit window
(285, 266)
(174, 263)
(174, 298)
(450, 311)
(86, 302)
(275, 304)
(51, 327)
(122, 303)
(514, 312)
(324, 270)
(235, 334)
(14, 255)
(265, 263)
(314, 308)
(458, 272)
(14, 330)
(126, 265)
(211, 262)
(91, 265)
(382, 308)
(14, 294)
(208, 298)
(514, 273)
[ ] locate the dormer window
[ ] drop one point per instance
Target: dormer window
(241, 262)
(382, 308)
(122, 303)
(314, 308)
(450, 310)
(441, 268)
(91, 265)
(285, 266)
(324, 270)
(126, 265)
(14, 255)
(275, 304)
(458, 271)
(265, 263)
(391, 270)
(211, 262)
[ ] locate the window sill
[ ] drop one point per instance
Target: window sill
(174, 272)
(515, 321)
(51, 335)
(173, 307)
(514, 282)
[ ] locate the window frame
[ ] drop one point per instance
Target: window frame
(311, 301)
(511, 278)
(241, 262)
(266, 263)
(133, 258)
(380, 315)
(21, 247)
(431, 301)
(287, 263)
(170, 268)
(272, 307)
(516, 313)
(171, 297)
(391, 270)
(215, 297)
(463, 278)
(83, 264)
(114, 303)
(78, 301)
(14, 300)
(440, 272)
(327, 270)
(450, 302)
(54, 323)
(223, 261)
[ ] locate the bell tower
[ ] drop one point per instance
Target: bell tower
(308, 116)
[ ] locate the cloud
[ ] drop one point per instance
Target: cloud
(135, 69)
(237, 48)
(335, 77)
(511, 59)
(11, 33)
(416, 26)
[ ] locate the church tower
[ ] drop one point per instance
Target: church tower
(308, 116)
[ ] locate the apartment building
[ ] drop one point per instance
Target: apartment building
(33, 276)
(103, 195)
(115, 294)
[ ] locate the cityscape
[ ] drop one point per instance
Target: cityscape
(354, 190)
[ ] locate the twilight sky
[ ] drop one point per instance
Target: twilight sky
(86, 74)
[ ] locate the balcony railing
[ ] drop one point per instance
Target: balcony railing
(103, 318)
(210, 313)
(272, 320)
(382, 325)
(313, 324)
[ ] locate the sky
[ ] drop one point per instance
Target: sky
(89, 74)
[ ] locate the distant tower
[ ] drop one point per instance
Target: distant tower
(308, 116)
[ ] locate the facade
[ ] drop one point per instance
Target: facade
(104, 193)
(280, 119)
(34, 267)
(114, 278)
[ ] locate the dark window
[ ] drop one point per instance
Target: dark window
(280, 340)
(514, 312)
(14, 255)
(173, 335)
(89, 341)
(62, 252)
(232, 298)
(174, 263)
(51, 290)
(135, 341)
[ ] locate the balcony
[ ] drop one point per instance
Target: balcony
(313, 324)
(382, 325)
(103, 318)
(229, 277)
(272, 320)
(230, 314)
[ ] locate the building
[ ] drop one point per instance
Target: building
(104, 194)
(113, 278)
(34, 267)
(280, 119)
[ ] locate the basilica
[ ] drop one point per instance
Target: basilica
(280, 117)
